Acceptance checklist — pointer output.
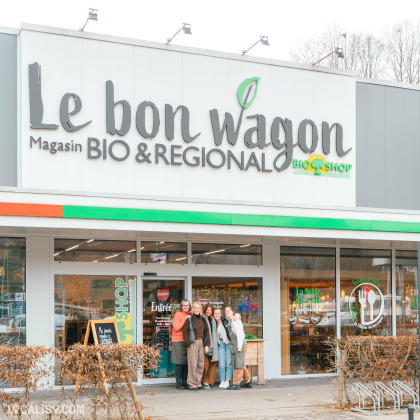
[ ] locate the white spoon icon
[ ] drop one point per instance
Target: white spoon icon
(371, 297)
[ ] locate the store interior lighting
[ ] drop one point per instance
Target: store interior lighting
(117, 254)
(186, 28)
(73, 247)
(214, 252)
(263, 39)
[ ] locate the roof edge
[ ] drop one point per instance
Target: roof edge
(182, 49)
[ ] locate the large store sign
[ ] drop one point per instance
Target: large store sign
(152, 126)
(280, 136)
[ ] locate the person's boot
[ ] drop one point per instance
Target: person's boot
(247, 385)
(185, 377)
(233, 388)
(178, 377)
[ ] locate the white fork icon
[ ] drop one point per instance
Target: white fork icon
(362, 301)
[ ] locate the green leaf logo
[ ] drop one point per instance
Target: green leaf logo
(244, 89)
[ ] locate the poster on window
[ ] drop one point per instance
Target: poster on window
(125, 309)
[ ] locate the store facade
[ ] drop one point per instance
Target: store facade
(139, 174)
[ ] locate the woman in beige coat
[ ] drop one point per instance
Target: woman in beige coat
(196, 337)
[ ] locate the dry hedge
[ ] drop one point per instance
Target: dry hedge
(371, 358)
(117, 364)
(25, 368)
(30, 369)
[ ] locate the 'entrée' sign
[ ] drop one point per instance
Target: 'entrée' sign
(278, 134)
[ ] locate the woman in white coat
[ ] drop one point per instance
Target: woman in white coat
(237, 341)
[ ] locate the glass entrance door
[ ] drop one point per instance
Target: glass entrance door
(161, 301)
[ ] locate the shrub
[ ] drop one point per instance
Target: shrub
(26, 368)
(370, 358)
(117, 364)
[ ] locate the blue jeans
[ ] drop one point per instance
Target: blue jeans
(225, 362)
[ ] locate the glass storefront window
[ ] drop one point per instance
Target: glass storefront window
(94, 250)
(244, 294)
(80, 298)
(246, 254)
(161, 301)
(12, 291)
(307, 302)
(365, 307)
(406, 299)
(163, 252)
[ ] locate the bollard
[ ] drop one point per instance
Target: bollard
(410, 412)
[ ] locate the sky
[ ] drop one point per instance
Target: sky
(223, 25)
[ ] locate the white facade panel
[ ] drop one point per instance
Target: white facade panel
(201, 82)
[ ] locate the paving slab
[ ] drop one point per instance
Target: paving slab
(277, 400)
(296, 399)
(220, 403)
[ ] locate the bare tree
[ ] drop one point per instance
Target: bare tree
(320, 46)
(363, 53)
(403, 48)
(371, 57)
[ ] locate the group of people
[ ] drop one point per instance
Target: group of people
(202, 339)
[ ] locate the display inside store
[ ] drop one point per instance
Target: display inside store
(307, 309)
(243, 294)
(406, 287)
(81, 298)
(12, 291)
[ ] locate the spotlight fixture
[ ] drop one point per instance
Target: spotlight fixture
(186, 28)
(263, 40)
(93, 15)
(338, 53)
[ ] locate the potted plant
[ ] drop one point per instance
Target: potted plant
(303, 362)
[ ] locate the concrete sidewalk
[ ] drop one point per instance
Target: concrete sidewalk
(293, 399)
(282, 399)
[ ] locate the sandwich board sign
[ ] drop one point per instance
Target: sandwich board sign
(105, 332)
(100, 332)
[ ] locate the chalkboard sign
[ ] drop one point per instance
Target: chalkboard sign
(103, 331)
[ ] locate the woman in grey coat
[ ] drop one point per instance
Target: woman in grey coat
(212, 356)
